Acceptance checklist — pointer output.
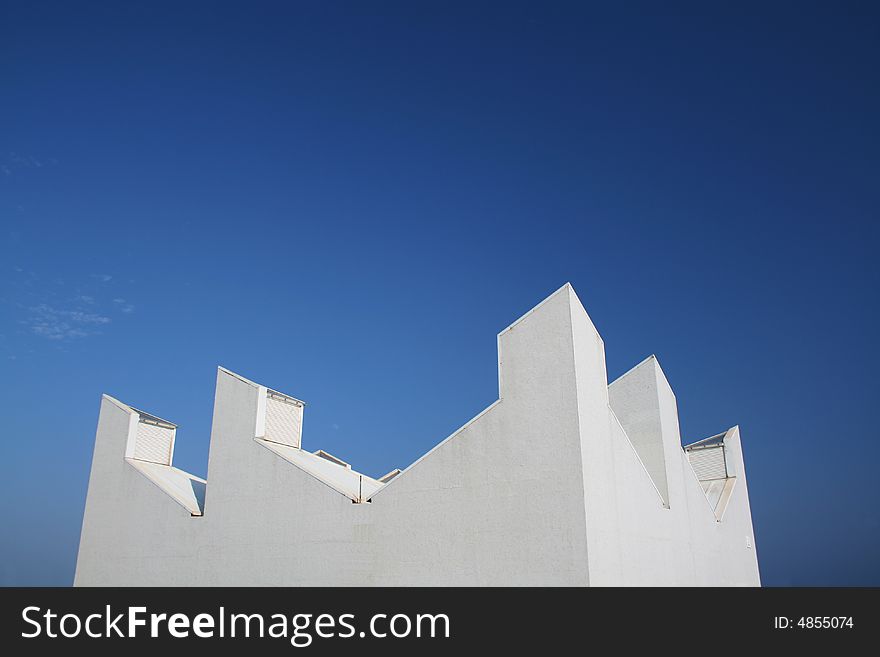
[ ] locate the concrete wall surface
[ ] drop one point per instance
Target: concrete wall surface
(564, 481)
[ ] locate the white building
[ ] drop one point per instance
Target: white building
(565, 480)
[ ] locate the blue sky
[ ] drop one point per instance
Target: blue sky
(347, 203)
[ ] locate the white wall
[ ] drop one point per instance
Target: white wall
(542, 488)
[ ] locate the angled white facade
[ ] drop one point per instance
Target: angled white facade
(565, 480)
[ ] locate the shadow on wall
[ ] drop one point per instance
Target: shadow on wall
(198, 488)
